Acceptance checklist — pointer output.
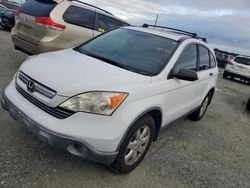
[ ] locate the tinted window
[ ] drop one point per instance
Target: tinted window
(187, 60)
(106, 23)
(136, 51)
(41, 8)
(80, 16)
(242, 60)
(212, 61)
(124, 24)
(204, 58)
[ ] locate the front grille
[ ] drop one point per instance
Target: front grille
(38, 87)
(56, 112)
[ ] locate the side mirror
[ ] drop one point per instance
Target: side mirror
(185, 74)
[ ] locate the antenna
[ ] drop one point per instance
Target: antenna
(156, 19)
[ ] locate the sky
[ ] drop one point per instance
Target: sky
(225, 23)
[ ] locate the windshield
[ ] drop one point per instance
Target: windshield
(133, 50)
(242, 60)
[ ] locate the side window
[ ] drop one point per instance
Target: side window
(204, 58)
(212, 61)
(80, 16)
(124, 24)
(187, 60)
(105, 23)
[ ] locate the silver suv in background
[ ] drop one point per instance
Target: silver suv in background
(239, 67)
(44, 26)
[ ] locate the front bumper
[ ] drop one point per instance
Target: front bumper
(72, 145)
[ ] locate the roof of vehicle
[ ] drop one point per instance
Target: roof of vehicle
(177, 36)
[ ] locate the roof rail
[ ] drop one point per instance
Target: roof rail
(193, 35)
(78, 1)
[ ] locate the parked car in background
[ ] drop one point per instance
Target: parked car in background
(106, 100)
(7, 19)
(223, 57)
(6, 12)
(43, 26)
(2, 7)
(238, 67)
(248, 105)
(11, 4)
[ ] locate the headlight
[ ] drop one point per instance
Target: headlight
(103, 103)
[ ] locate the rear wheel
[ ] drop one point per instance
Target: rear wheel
(135, 145)
(225, 75)
(198, 114)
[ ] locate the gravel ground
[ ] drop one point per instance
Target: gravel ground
(211, 153)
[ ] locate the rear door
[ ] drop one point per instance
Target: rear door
(207, 72)
(26, 26)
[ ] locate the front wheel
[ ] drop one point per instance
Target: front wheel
(198, 114)
(135, 145)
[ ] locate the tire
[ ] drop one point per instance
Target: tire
(6, 28)
(248, 105)
(198, 114)
(225, 75)
(137, 154)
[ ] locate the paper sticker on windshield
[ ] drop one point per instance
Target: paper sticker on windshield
(101, 30)
(163, 50)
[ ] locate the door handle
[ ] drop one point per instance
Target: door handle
(211, 74)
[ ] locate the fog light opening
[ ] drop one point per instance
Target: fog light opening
(76, 149)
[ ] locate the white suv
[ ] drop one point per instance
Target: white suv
(238, 67)
(108, 99)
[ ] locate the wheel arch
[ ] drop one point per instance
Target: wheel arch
(156, 114)
(211, 91)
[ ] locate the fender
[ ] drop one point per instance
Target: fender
(136, 119)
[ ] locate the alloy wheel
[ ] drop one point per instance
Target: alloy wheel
(137, 145)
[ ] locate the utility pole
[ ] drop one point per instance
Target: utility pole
(156, 20)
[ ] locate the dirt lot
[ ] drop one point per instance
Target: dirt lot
(211, 153)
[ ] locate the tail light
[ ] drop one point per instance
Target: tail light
(17, 12)
(49, 22)
(229, 62)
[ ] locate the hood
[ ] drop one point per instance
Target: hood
(70, 73)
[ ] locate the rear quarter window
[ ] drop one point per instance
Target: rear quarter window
(80, 17)
(204, 58)
(38, 8)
